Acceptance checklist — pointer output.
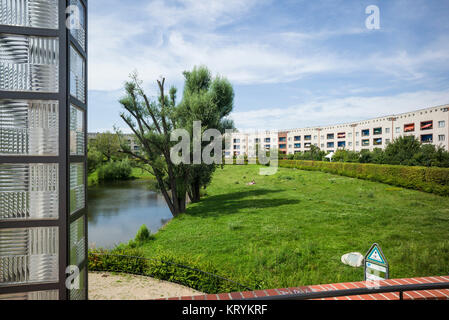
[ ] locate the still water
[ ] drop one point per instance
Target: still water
(118, 209)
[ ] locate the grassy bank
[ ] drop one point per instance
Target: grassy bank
(291, 228)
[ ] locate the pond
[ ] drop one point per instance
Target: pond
(118, 209)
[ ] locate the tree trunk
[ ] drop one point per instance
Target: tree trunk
(195, 191)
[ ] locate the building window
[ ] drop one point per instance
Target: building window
(441, 137)
(282, 146)
(341, 144)
(387, 141)
(350, 135)
(357, 143)
(236, 140)
(398, 129)
(441, 124)
(426, 125)
(315, 137)
(256, 140)
(330, 136)
(349, 144)
(297, 145)
(322, 145)
(357, 134)
(427, 138)
(409, 127)
(267, 140)
(365, 142)
(377, 141)
(377, 130)
(309, 137)
(236, 147)
(307, 145)
(387, 130)
(330, 144)
(365, 133)
(282, 139)
(297, 138)
(341, 135)
(267, 146)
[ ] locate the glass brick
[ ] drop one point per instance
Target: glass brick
(29, 63)
(29, 191)
(28, 255)
(79, 293)
(77, 187)
(77, 75)
(77, 141)
(29, 127)
(33, 295)
(77, 242)
(78, 23)
(29, 13)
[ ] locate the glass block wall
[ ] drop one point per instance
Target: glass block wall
(29, 127)
(43, 94)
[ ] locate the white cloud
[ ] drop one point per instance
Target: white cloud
(334, 111)
(170, 37)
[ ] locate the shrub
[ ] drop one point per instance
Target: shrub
(124, 260)
(143, 234)
(115, 170)
(94, 158)
(164, 266)
(427, 179)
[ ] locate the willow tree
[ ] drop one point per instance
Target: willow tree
(205, 100)
(210, 101)
(152, 122)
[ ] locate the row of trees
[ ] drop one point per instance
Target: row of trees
(205, 99)
(103, 149)
(405, 150)
(105, 156)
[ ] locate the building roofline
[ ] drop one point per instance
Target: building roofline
(275, 131)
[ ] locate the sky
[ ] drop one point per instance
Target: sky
(292, 64)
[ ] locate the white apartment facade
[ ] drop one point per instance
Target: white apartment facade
(430, 125)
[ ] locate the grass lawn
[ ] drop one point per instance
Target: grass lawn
(292, 228)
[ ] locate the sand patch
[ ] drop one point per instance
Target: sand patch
(116, 286)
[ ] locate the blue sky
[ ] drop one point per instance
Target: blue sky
(292, 63)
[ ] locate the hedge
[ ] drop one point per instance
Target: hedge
(182, 270)
(427, 179)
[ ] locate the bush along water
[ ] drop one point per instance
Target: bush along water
(115, 170)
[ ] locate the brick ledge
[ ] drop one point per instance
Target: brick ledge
(442, 294)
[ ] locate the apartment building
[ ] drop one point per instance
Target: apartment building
(430, 125)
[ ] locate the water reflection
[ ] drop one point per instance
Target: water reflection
(118, 209)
